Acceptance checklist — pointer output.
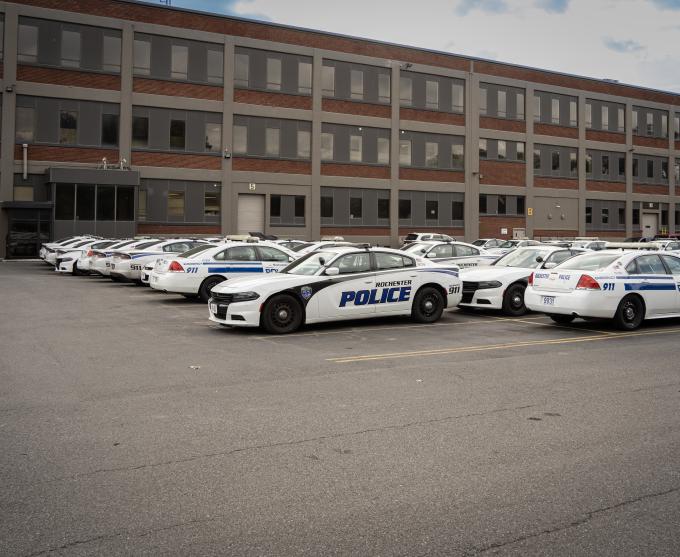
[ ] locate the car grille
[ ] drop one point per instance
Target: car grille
(469, 289)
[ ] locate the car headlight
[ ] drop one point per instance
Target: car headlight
(245, 296)
(489, 284)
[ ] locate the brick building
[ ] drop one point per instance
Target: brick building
(123, 118)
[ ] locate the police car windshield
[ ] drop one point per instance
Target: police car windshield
(522, 258)
(509, 244)
(196, 250)
(309, 264)
(589, 261)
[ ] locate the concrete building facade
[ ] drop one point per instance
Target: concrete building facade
(122, 118)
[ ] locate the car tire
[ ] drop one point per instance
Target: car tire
(75, 271)
(513, 300)
(630, 314)
(428, 305)
(207, 286)
(282, 314)
(561, 319)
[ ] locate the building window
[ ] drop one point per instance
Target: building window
(622, 166)
(482, 204)
(520, 152)
(457, 97)
(215, 65)
(621, 124)
(676, 128)
(106, 200)
(406, 91)
(70, 48)
(589, 115)
(573, 164)
(520, 205)
(502, 205)
(650, 169)
(305, 78)
(177, 134)
(275, 206)
(457, 208)
(605, 215)
(85, 202)
(111, 54)
(383, 150)
(300, 206)
(573, 117)
(432, 209)
(404, 208)
(25, 124)
(23, 193)
(635, 121)
(555, 113)
(140, 131)
(213, 137)
(241, 70)
(605, 165)
(357, 84)
(555, 157)
(483, 101)
(622, 216)
(405, 152)
(635, 167)
(125, 204)
(383, 208)
(605, 117)
(502, 150)
(432, 94)
(328, 81)
(274, 74)
(589, 215)
(664, 125)
(142, 55)
(68, 127)
(483, 149)
(326, 146)
(211, 204)
(109, 130)
(27, 44)
(537, 159)
(180, 61)
(271, 140)
(326, 207)
(240, 145)
(650, 123)
(304, 140)
(520, 106)
(457, 155)
(537, 108)
(431, 154)
(355, 207)
(64, 202)
(636, 216)
(589, 163)
(502, 104)
(141, 205)
(176, 204)
(384, 94)
(355, 148)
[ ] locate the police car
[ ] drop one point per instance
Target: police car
(102, 266)
(501, 285)
(67, 261)
(99, 263)
(462, 254)
(336, 284)
(487, 243)
(627, 287)
(510, 245)
(195, 273)
(49, 248)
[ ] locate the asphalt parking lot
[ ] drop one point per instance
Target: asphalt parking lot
(130, 424)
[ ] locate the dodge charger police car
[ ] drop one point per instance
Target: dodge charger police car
(337, 284)
(462, 254)
(627, 288)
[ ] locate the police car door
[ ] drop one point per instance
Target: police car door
(395, 277)
(655, 285)
(348, 294)
(273, 260)
(673, 265)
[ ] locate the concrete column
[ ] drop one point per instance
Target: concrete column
(472, 155)
(630, 150)
(127, 58)
(581, 161)
(315, 197)
(394, 156)
(529, 156)
(228, 199)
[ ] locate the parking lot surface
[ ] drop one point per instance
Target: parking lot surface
(130, 424)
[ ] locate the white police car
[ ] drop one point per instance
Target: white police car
(67, 261)
(336, 284)
(510, 245)
(627, 287)
(462, 254)
(501, 285)
(196, 272)
(100, 262)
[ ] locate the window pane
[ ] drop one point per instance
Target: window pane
(211, 204)
(326, 146)
(240, 139)
(355, 148)
(664, 170)
(355, 207)
(589, 215)
(141, 205)
(432, 94)
(405, 152)
(664, 125)
(605, 165)
(304, 139)
(635, 121)
(384, 93)
(406, 91)
(241, 70)
(589, 115)
(25, 124)
(272, 145)
(180, 61)
(457, 155)
(622, 166)
(140, 131)
(215, 65)
(502, 204)
(483, 100)
(326, 207)
(110, 129)
(300, 206)
(502, 150)
(23, 193)
(357, 84)
(27, 46)
(573, 120)
(305, 78)
(537, 108)
(622, 120)
(328, 81)
(482, 204)
(70, 48)
(383, 208)
(106, 201)
(383, 150)
(274, 74)
(457, 210)
(431, 209)
(650, 169)
(589, 163)
(605, 216)
(520, 205)
(275, 206)
(537, 159)
(213, 138)
(520, 106)
(483, 149)
(502, 104)
(64, 201)
(520, 152)
(457, 97)
(125, 204)
(176, 204)
(431, 154)
(605, 117)
(555, 160)
(68, 127)
(84, 202)
(404, 208)
(111, 54)
(177, 134)
(650, 123)
(555, 113)
(142, 63)
(573, 163)
(635, 166)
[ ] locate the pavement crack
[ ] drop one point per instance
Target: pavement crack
(589, 515)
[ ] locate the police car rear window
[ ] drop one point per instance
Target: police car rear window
(411, 237)
(590, 261)
(196, 250)
(147, 244)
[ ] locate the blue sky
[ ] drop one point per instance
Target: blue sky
(633, 41)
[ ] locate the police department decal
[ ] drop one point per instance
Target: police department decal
(306, 292)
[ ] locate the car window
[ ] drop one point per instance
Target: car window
(481, 243)
(241, 253)
(147, 244)
(198, 249)
(651, 265)
(673, 246)
(632, 268)
(673, 263)
(590, 261)
(268, 253)
(411, 237)
(465, 251)
(353, 263)
(442, 250)
(177, 247)
(523, 257)
(391, 261)
(558, 257)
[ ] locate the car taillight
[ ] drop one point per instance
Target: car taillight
(175, 267)
(586, 282)
(531, 279)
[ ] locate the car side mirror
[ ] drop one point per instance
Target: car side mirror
(431, 255)
(539, 259)
(332, 271)
(550, 265)
(290, 259)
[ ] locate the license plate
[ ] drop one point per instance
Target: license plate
(213, 308)
(548, 300)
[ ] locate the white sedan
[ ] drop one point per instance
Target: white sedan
(510, 245)
(459, 253)
(627, 287)
(335, 284)
(195, 273)
(501, 285)
(100, 262)
(67, 261)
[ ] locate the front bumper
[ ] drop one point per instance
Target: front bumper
(489, 298)
(237, 314)
(581, 303)
(62, 266)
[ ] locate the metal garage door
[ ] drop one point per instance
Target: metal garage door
(250, 213)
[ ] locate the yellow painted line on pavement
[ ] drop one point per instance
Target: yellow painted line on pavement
(490, 347)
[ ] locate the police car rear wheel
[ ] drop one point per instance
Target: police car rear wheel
(513, 300)
(561, 319)
(428, 305)
(282, 314)
(207, 286)
(630, 313)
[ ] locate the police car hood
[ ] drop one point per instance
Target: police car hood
(275, 281)
(493, 272)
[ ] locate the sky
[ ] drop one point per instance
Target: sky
(632, 41)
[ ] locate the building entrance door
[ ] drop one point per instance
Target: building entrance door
(28, 229)
(650, 225)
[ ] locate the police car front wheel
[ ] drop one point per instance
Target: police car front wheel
(428, 305)
(282, 314)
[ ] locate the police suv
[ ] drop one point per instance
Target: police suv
(461, 254)
(627, 287)
(336, 284)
